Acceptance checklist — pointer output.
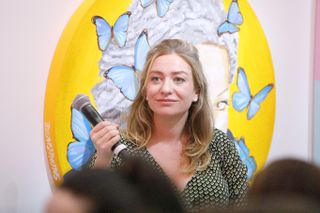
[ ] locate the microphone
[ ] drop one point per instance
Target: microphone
(82, 104)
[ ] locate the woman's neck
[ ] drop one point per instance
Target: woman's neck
(169, 129)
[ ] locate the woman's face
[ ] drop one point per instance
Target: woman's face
(170, 90)
(215, 63)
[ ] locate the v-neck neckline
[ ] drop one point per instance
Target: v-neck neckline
(162, 171)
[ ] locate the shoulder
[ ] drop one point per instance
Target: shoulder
(219, 135)
(221, 145)
(219, 140)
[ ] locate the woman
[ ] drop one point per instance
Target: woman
(171, 125)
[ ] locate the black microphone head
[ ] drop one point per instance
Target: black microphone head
(80, 101)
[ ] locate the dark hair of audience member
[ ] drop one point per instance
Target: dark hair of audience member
(287, 177)
(135, 186)
(274, 204)
(284, 186)
(156, 190)
(103, 191)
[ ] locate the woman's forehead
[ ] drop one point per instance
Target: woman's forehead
(170, 63)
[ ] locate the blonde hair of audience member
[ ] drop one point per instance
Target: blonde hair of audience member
(199, 124)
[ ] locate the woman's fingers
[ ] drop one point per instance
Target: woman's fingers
(104, 135)
(111, 141)
(103, 125)
(106, 132)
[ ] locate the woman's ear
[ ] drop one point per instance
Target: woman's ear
(195, 98)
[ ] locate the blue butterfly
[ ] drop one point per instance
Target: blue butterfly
(243, 98)
(162, 6)
(79, 151)
(234, 18)
(105, 32)
(244, 154)
(123, 76)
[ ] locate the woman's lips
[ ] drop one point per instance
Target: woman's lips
(166, 100)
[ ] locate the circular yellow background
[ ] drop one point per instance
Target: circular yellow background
(75, 66)
(254, 56)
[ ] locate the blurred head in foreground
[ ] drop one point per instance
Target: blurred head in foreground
(133, 187)
(287, 177)
(287, 185)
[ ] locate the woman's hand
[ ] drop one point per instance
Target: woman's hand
(104, 135)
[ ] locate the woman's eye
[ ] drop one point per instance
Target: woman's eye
(179, 80)
(221, 105)
(155, 79)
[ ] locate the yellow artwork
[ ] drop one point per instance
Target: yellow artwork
(102, 39)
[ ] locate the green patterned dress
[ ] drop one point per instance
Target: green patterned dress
(222, 184)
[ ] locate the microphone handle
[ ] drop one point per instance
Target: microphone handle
(94, 118)
(91, 114)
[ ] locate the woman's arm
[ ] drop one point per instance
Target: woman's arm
(234, 170)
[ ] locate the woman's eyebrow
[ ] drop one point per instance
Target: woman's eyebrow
(172, 73)
(155, 71)
(180, 72)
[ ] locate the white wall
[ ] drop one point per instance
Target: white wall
(289, 28)
(30, 32)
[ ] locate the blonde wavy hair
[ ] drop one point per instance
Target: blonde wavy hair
(199, 124)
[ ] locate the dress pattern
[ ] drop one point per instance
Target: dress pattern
(223, 183)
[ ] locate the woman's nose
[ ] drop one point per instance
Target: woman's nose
(166, 86)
